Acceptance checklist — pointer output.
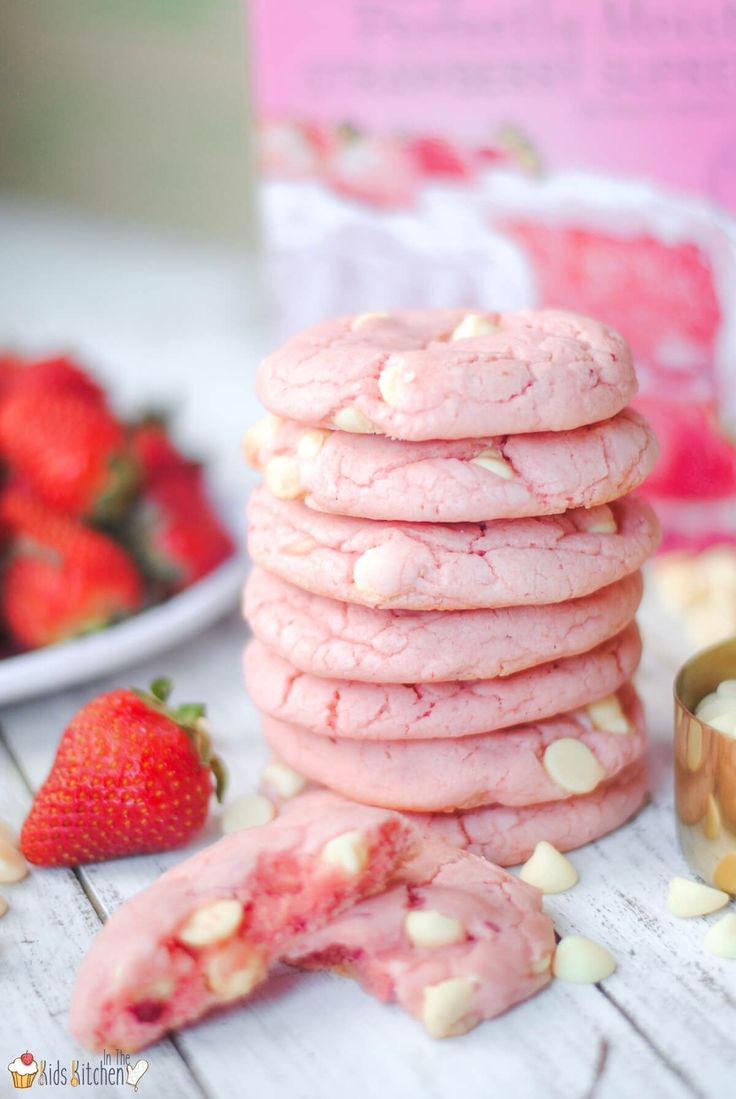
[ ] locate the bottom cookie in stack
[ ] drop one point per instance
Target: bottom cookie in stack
(498, 794)
(507, 835)
(550, 760)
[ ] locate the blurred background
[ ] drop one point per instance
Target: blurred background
(126, 210)
(135, 110)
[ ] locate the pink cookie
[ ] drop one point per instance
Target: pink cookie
(446, 374)
(518, 766)
(508, 836)
(347, 641)
(372, 711)
(205, 933)
(470, 480)
(428, 566)
(452, 917)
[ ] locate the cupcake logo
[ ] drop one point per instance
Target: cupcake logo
(114, 1068)
(23, 1070)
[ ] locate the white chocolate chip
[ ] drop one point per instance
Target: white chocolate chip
(707, 701)
(354, 421)
(284, 780)
(582, 961)
(712, 821)
(720, 938)
(607, 715)
(474, 324)
(492, 460)
(428, 928)
(725, 724)
(599, 521)
(724, 875)
(571, 764)
(3, 906)
(282, 477)
(248, 811)
(446, 1004)
(717, 567)
(549, 870)
(213, 923)
(605, 525)
(388, 382)
(348, 851)
(156, 990)
(718, 708)
(13, 867)
(234, 972)
(541, 964)
(364, 318)
(364, 568)
(259, 436)
(714, 706)
(8, 833)
(310, 443)
(691, 898)
(674, 575)
(299, 547)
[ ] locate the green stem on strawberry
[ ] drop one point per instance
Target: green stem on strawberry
(191, 718)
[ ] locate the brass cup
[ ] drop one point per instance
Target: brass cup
(705, 771)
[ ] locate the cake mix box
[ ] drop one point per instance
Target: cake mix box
(516, 153)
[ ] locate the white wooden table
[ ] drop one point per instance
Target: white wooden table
(169, 320)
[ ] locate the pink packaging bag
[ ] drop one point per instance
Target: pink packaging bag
(515, 153)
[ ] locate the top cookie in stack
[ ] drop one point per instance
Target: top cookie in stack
(422, 374)
(445, 503)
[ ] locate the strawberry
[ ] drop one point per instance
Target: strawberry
(130, 776)
(437, 158)
(293, 150)
(174, 531)
(490, 154)
(27, 1058)
(153, 448)
(60, 371)
(10, 364)
(376, 170)
(57, 432)
(61, 578)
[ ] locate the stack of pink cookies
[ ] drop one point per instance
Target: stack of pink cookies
(447, 571)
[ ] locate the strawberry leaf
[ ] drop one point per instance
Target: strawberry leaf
(161, 689)
(189, 713)
(190, 717)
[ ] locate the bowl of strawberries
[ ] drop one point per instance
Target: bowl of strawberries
(111, 547)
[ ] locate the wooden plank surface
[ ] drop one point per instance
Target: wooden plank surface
(317, 1036)
(681, 998)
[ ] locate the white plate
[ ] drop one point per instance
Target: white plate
(144, 635)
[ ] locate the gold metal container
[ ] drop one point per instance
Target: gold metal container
(705, 771)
